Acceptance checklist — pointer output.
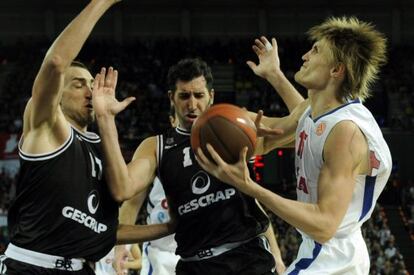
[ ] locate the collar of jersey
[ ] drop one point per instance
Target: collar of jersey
(182, 131)
(334, 110)
(89, 136)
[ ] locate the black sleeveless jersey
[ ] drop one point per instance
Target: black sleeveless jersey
(63, 206)
(209, 212)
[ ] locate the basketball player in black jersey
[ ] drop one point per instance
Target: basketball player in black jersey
(64, 213)
(219, 230)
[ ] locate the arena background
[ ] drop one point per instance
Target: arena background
(143, 38)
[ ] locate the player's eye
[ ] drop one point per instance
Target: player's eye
(184, 96)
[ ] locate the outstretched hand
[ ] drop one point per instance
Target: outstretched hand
(236, 174)
(269, 62)
(262, 130)
(103, 94)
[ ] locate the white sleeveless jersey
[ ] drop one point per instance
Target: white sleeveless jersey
(311, 135)
(157, 209)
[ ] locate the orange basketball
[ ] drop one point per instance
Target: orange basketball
(227, 128)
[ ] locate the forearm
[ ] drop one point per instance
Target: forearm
(117, 174)
(290, 96)
(270, 235)
(67, 46)
(130, 208)
(303, 216)
(142, 233)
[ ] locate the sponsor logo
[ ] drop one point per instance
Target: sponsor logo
(206, 200)
(200, 183)
(93, 201)
(82, 217)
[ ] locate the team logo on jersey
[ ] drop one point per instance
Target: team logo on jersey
(320, 128)
(302, 136)
(93, 201)
(169, 141)
(200, 183)
(374, 163)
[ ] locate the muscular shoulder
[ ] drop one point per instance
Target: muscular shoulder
(44, 137)
(146, 148)
(346, 143)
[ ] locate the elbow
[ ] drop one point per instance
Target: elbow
(324, 234)
(120, 196)
(55, 63)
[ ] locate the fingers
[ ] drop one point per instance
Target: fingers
(215, 156)
(269, 132)
(111, 78)
(258, 118)
(101, 82)
(243, 154)
(126, 102)
(266, 43)
(107, 78)
(274, 43)
(262, 45)
(96, 82)
(202, 160)
(251, 64)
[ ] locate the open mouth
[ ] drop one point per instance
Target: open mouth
(89, 106)
(191, 117)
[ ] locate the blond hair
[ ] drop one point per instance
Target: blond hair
(358, 46)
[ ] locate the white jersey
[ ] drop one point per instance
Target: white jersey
(104, 265)
(158, 256)
(157, 208)
(311, 135)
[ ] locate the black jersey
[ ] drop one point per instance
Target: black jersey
(63, 206)
(209, 212)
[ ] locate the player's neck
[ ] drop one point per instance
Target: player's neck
(323, 101)
(77, 125)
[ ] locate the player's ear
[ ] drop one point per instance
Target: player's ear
(211, 93)
(171, 97)
(338, 71)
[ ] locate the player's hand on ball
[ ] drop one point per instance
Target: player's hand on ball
(236, 174)
(262, 130)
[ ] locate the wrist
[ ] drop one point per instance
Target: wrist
(103, 118)
(275, 75)
(250, 187)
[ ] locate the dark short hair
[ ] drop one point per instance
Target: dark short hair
(78, 64)
(188, 69)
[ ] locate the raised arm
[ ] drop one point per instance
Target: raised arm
(268, 139)
(47, 87)
(269, 69)
(125, 181)
(345, 155)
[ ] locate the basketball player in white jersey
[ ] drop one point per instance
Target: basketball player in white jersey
(342, 160)
(105, 265)
(158, 256)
